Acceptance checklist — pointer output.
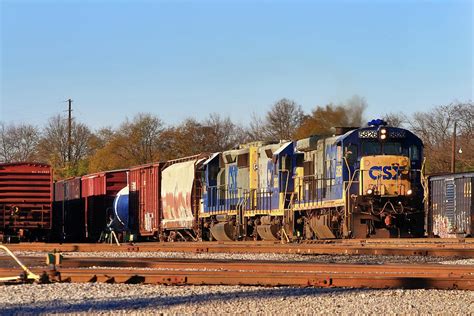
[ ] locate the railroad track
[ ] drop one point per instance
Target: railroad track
(405, 247)
(174, 271)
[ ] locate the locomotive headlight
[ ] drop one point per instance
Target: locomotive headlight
(409, 192)
(383, 131)
(369, 191)
(383, 136)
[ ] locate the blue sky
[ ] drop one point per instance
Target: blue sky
(181, 59)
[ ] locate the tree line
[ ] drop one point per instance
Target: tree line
(147, 138)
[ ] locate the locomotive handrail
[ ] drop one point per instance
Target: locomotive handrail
(319, 184)
(29, 274)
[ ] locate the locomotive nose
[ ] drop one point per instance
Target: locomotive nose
(385, 175)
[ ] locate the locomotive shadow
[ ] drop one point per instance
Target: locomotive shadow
(157, 302)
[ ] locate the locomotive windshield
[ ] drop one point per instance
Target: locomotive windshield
(370, 148)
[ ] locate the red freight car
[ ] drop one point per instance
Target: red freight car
(26, 200)
(68, 214)
(144, 201)
(98, 191)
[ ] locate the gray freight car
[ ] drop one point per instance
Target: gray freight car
(450, 210)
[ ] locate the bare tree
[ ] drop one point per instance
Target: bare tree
(221, 133)
(435, 128)
(18, 142)
(53, 146)
(256, 129)
(395, 119)
(282, 120)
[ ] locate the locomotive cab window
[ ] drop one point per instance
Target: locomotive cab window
(392, 149)
(414, 153)
(371, 148)
(376, 148)
(243, 161)
(299, 160)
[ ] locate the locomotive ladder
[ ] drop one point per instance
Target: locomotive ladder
(241, 207)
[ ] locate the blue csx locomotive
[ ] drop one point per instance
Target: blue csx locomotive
(361, 182)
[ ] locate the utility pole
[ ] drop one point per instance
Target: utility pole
(69, 132)
(453, 150)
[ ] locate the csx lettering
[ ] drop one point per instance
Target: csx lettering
(384, 172)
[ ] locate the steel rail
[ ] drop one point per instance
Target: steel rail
(329, 278)
(266, 265)
(254, 272)
(248, 265)
(317, 279)
(448, 249)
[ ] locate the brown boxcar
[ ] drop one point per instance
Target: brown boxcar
(99, 190)
(451, 205)
(26, 199)
(144, 199)
(68, 206)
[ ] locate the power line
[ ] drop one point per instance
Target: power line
(69, 131)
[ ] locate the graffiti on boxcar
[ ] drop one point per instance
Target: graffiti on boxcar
(442, 227)
(177, 185)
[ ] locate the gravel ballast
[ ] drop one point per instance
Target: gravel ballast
(100, 298)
